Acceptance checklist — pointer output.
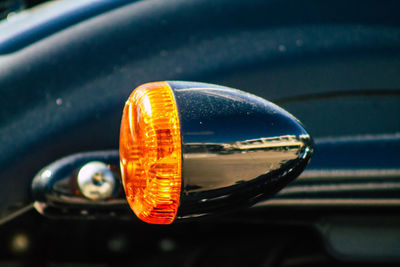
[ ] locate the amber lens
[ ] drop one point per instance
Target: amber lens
(150, 153)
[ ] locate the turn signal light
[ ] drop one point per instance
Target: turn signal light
(151, 154)
(193, 149)
(187, 150)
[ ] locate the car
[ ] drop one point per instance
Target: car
(68, 67)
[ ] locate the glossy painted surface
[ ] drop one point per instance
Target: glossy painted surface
(237, 148)
(30, 26)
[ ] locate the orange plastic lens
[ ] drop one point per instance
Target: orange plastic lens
(150, 153)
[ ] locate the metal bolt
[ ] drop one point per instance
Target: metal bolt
(96, 181)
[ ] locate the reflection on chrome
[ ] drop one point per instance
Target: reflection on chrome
(271, 142)
(209, 166)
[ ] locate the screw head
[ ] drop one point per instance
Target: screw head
(96, 181)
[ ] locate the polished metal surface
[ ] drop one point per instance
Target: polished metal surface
(96, 181)
(238, 148)
(215, 166)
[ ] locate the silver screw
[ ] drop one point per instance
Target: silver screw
(96, 181)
